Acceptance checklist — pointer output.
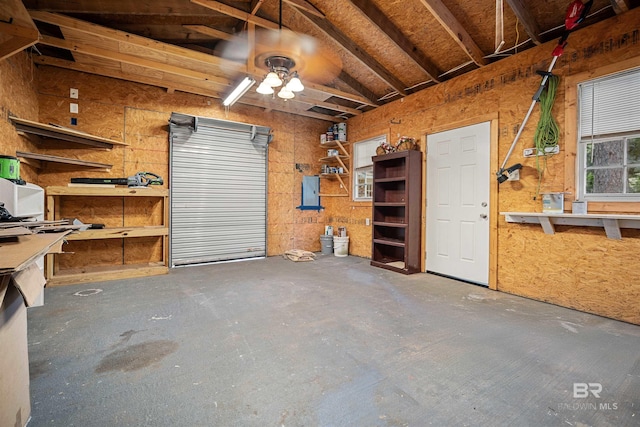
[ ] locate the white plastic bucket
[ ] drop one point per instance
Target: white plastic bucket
(340, 246)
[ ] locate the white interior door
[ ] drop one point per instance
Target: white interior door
(458, 174)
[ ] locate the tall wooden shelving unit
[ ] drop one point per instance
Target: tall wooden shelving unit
(91, 273)
(397, 186)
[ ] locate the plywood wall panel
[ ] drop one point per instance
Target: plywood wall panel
(142, 250)
(18, 97)
(577, 267)
(95, 253)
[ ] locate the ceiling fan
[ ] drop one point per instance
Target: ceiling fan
(286, 57)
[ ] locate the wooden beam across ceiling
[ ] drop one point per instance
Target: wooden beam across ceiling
(379, 19)
(152, 46)
(17, 30)
(456, 30)
(211, 32)
(236, 13)
(118, 7)
(350, 46)
(620, 6)
(305, 5)
(524, 15)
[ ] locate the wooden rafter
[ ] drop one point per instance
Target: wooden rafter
(149, 45)
(620, 6)
(236, 13)
(305, 5)
(350, 46)
(19, 32)
(352, 82)
(88, 49)
(208, 31)
(379, 19)
(456, 30)
(521, 10)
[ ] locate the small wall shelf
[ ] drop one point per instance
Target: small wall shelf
(35, 160)
(342, 160)
(61, 133)
(610, 222)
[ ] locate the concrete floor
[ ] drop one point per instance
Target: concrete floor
(333, 342)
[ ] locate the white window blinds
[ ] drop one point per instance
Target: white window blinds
(362, 151)
(617, 101)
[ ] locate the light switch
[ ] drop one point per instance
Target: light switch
(73, 108)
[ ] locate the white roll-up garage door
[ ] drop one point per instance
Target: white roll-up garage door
(218, 190)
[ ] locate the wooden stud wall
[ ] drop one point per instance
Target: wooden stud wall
(577, 267)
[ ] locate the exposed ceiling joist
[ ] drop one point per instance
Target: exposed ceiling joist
(521, 10)
(88, 49)
(359, 87)
(456, 30)
(17, 30)
(236, 13)
(118, 7)
(621, 6)
(379, 19)
(120, 36)
(374, 66)
(306, 6)
(211, 32)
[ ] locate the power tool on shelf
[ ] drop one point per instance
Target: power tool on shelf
(139, 180)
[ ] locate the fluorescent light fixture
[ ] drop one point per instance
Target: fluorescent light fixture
(240, 90)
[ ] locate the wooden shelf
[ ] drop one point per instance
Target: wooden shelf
(120, 233)
(343, 161)
(106, 192)
(62, 133)
(36, 160)
(396, 211)
(390, 242)
(91, 273)
(610, 222)
(104, 273)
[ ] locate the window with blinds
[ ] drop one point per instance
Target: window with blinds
(609, 148)
(363, 167)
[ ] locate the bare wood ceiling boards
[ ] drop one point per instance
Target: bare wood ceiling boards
(387, 48)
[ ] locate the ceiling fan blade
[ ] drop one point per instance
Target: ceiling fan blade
(313, 61)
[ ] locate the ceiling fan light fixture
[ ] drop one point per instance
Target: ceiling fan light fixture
(272, 79)
(264, 89)
(285, 93)
(295, 85)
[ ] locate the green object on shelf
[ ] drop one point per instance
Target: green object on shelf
(9, 168)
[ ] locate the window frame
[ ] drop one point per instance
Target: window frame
(368, 168)
(572, 137)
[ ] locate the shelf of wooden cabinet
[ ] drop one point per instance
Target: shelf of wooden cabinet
(104, 273)
(396, 211)
(119, 233)
(91, 273)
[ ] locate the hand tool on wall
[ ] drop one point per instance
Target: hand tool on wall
(576, 13)
(139, 180)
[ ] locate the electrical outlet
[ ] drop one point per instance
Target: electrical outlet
(367, 222)
(73, 93)
(514, 176)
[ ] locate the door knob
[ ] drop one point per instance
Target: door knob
(483, 216)
(484, 204)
